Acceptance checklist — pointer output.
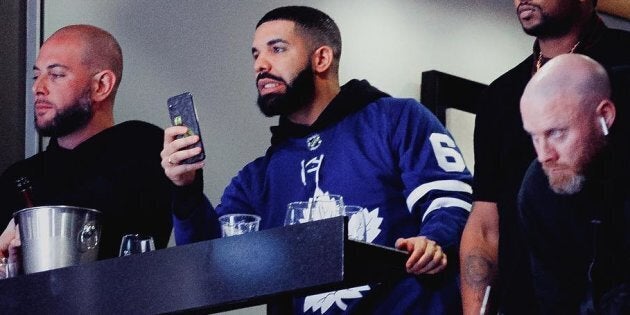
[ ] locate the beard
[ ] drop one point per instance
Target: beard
(551, 26)
(299, 93)
(570, 179)
(565, 182)
(68, 120)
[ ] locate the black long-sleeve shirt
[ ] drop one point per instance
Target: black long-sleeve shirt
(117, 172)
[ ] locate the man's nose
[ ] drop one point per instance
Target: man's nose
(545, 152)
(261, 64)
(39, 86)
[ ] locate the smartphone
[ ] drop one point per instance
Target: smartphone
(182, 111)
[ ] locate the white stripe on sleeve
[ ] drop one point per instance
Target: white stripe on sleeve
(446, 202)
(446, 185)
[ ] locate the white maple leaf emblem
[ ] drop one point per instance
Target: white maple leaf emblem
(322, 205)
(326, 300)
(364, 225)
(372, 224)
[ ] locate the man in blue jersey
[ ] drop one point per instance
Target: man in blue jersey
(390, 156)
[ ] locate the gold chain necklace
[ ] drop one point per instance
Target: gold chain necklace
(540, 56)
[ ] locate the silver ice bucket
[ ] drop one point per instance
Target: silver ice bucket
(57, 236)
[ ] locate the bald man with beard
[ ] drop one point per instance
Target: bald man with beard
(490, 251)
(574, 205)
(89, 162)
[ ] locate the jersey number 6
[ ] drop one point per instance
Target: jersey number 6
(445, 153)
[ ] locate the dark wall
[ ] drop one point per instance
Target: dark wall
(12, 80)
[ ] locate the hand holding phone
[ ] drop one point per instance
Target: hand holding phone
(182, 111)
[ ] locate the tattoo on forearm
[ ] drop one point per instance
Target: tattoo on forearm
(478, 271)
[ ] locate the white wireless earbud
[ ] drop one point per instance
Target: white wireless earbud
(602, 122)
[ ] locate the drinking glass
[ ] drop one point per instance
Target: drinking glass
(337, 200)
(313, 210)
(8, 268)
(238, 223)
(357, 222)
(326, 208)
(298, 212)
(136, 244)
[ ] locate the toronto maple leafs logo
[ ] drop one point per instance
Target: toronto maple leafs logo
(324, 301)
(364, 225)
(313, 142)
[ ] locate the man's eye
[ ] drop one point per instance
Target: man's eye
(279, 49)
(556, 134)
(57, 75)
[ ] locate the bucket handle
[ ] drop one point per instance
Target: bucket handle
(88, 236)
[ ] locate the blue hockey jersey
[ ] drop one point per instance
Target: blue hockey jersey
(390, 156)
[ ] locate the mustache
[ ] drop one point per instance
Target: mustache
(526, 3)
(553, 165)
(267, 75)
(549, 165)
(44, 102)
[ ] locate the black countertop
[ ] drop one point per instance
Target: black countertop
(208, 276)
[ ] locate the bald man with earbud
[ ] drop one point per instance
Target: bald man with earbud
(574, 204)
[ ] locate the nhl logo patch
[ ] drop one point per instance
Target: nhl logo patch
(313, 142)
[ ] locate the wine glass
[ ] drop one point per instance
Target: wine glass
(136, 244)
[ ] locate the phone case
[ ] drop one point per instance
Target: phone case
(182, 111)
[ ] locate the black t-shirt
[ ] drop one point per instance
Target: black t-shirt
(117, 172)
(566, 233)
(503, 151)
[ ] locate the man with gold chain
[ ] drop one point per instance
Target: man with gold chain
(491, 255)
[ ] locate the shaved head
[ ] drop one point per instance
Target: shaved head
(76, 76)
(570, 75)
(566, 109)
(101, 51)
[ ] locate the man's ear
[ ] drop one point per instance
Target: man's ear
(322, 59)
(606, 113)
(103, 85)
